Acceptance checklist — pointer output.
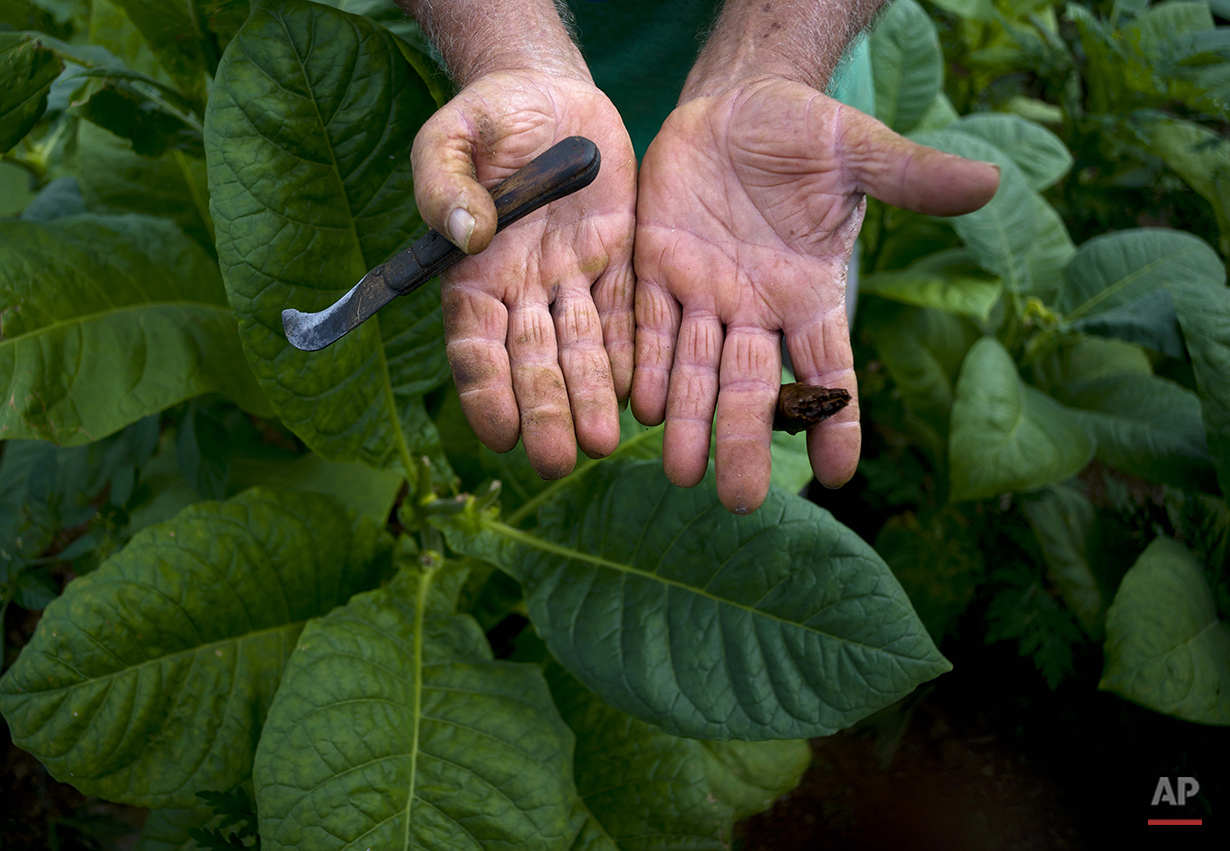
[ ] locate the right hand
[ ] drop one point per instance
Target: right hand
(538, 327)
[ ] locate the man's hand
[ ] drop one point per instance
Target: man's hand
(751, 197)
(538, 326)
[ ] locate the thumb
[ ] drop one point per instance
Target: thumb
(449, 197)
(891, 168)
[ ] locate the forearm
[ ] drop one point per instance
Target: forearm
(477, 37)
(800, 40)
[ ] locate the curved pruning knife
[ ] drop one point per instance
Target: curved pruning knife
(559, 171)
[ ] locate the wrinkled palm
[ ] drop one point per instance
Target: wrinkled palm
(539, 325)
(748, 208)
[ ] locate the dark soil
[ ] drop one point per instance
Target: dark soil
(944, 788)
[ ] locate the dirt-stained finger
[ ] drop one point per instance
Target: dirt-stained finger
(449, 197)
(614, 296)
(542, 395)
(475, 328)
(587, 371)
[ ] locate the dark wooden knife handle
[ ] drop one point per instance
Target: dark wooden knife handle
(558, 171)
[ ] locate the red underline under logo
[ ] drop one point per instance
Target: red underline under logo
(1176, 821)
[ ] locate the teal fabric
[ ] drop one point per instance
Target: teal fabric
(640, 52)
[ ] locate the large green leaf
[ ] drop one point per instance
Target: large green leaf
(28, 70)
(418, 49)
(1001, 234)
(149, 678)
(308, 142)
(907, 65)
(1062, 519)
(643, 789)
(781, 624)
(1165, 646)
(1203, 308)
(1007, 436)
(1040, 154)
(395, 729)
(107, 319)
(1119, 275)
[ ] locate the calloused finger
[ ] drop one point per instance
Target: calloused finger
(657, 327)
(905, 174)
(475, 328)
(449, 197)
(749, 383)
(542, 396)
(820, 354)
(691, 399)
(587, 371)
(614, 294)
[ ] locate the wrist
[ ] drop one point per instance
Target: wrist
(551, 60)
(480, 37)
(797, 40)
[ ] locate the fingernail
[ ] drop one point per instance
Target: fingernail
(461, 228)
(834, 487)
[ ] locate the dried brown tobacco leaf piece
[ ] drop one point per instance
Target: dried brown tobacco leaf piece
(801, 406)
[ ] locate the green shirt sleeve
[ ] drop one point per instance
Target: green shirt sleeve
(640, 52)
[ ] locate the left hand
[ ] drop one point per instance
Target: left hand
(749, 203)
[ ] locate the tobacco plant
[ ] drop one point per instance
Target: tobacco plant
(1015, 358)
(290, 568)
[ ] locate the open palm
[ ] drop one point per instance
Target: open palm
(749, 204)
(539, 325)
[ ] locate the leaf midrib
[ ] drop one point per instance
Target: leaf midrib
(533, 542)
(1128, 279)
(111, 311)
(160, 659)
(1132, 671)
(420, 608)
(403, 450)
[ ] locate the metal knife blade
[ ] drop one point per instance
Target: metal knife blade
(557, 172)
